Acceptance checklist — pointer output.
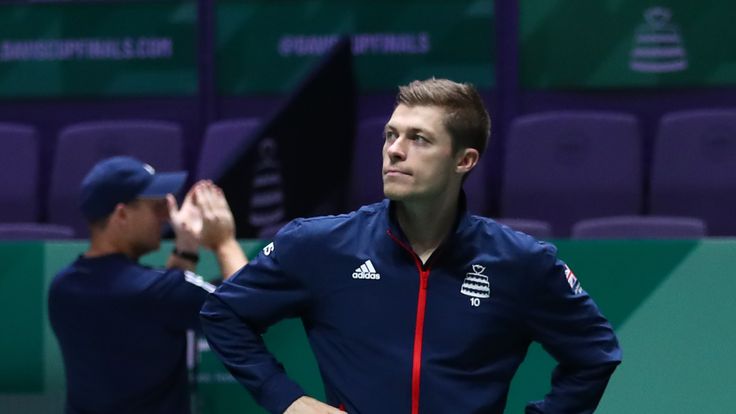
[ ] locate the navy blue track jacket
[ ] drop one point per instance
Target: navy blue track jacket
(122, 332)
(393, 335)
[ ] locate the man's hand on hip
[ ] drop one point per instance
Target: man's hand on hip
(308, 405)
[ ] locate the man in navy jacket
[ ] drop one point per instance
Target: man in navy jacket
(122, 326)
(412, 305)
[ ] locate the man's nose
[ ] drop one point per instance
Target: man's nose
(396, 150)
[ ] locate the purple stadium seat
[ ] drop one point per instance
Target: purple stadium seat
(82, 145)
(640, 227)
(562, 167)
(19, 159)
(366, 180)
(536, 228)
(35, 231)
(694, 168)
(220, 141)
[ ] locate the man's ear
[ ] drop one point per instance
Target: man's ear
(466, 160)
(119, 213)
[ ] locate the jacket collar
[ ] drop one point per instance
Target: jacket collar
(461, 220)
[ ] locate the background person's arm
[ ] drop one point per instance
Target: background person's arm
(218, 229)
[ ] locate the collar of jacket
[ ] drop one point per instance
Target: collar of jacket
(461, 222)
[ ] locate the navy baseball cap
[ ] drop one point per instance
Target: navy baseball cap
(121, 180)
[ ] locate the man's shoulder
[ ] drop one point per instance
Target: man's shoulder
(80, 268)
(339, 223)
(113, 271)
(316, 236)
(505, 239)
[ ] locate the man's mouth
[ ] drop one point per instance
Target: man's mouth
(394, 172)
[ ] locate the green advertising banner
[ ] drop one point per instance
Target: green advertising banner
(266, 46)
(98, 49)
(576, 44)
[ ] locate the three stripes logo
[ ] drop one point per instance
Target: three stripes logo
(197, 280)
(366, 271)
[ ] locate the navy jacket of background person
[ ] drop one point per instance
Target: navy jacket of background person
(390, 333)
(122, 329)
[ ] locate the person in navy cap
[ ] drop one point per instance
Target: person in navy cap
(122, 326)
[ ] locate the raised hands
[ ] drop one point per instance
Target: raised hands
(218, 228)
(218, 225)
(203, 219)
(186, 221)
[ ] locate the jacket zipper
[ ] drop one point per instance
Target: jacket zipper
(416, 369)
(418, 340)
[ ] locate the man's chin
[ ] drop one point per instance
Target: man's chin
(395, 194)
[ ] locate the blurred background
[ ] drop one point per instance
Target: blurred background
(613, 134)
(599, 109)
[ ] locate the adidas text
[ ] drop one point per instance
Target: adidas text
(366, 275)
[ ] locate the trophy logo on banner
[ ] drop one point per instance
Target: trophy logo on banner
(267, 197)
(658, 46)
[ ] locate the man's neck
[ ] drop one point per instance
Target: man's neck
(427, 224)
(101, 246)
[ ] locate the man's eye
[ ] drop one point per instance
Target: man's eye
(389, 135)
(420, 138)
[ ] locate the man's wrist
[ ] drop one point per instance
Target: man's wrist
(186, 243)
(226, 246)
(192, 256)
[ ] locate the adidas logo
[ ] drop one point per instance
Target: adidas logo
(366, 271)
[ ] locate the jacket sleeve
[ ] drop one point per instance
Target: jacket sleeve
(568, 324)
(176, 297)
(236, 315)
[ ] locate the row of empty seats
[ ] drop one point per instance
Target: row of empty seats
(78, 148)
(563, 167)
(560, 167)
(618, 227)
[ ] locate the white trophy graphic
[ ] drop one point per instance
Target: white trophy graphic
(658, 44)
(476, 283)
(267, 195)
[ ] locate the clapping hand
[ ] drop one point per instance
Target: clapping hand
(186, 221)
(218, 224)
